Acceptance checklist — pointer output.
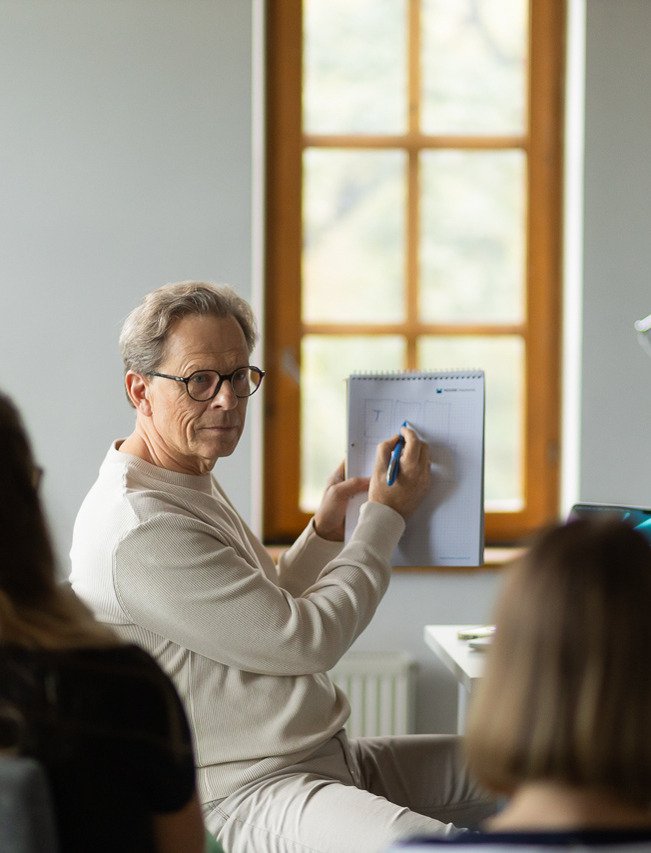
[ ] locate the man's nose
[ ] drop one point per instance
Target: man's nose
(224, 398)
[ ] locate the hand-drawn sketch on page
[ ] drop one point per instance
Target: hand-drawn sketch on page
(447, 411)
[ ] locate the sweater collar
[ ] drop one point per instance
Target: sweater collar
(198, 482)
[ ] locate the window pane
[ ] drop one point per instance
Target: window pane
(354, 66)
(353, 231)
(472, 251)
(474, 60)
(502, 359)
(326, 363)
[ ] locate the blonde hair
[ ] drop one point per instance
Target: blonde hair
(145, 330)
(566, 696)
(35, 610)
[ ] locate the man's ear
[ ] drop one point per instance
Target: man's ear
(138, 392)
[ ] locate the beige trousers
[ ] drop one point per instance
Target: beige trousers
(353, 797)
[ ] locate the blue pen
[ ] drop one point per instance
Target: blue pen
(394, 462)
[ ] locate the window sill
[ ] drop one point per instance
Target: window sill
(494, 558)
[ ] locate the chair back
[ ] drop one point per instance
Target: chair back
(27, 823)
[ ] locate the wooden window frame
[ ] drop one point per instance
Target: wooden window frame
(541, 330)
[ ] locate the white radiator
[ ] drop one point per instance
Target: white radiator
(380, 687)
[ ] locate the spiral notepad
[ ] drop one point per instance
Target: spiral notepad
(447, 410)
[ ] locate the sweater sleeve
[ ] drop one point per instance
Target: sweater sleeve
(175, 577)
(301, 564)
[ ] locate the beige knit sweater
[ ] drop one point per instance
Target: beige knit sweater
(166, 559)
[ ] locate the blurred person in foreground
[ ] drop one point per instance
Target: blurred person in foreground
(99, 715)
(560, 724)
(161, 554)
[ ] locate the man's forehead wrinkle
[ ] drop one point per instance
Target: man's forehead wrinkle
(187, 354)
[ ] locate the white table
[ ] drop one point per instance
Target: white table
(465, 663)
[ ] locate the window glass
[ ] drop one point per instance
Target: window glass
(473, 55)
(326, 362)
(353, 235)
(502, 359)
(354, 66)
(472, 251)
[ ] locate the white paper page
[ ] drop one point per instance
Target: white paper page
(447, 411)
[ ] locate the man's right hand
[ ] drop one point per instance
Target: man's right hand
(413, 478)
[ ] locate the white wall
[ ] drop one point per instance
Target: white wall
(615, 462)
(125, 163)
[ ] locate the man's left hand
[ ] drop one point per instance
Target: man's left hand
(330, 517)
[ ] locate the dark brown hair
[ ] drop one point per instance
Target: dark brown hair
(34, 608)
(26, 557)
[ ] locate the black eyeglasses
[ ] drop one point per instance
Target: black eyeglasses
(204, 385)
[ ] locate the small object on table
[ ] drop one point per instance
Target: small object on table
(476, 633)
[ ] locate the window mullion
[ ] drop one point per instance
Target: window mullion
(412, 200)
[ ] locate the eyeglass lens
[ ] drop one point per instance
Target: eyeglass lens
(202, 385)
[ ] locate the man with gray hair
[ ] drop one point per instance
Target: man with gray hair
(161, 554)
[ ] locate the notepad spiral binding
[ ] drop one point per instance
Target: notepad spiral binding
(468, 373)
